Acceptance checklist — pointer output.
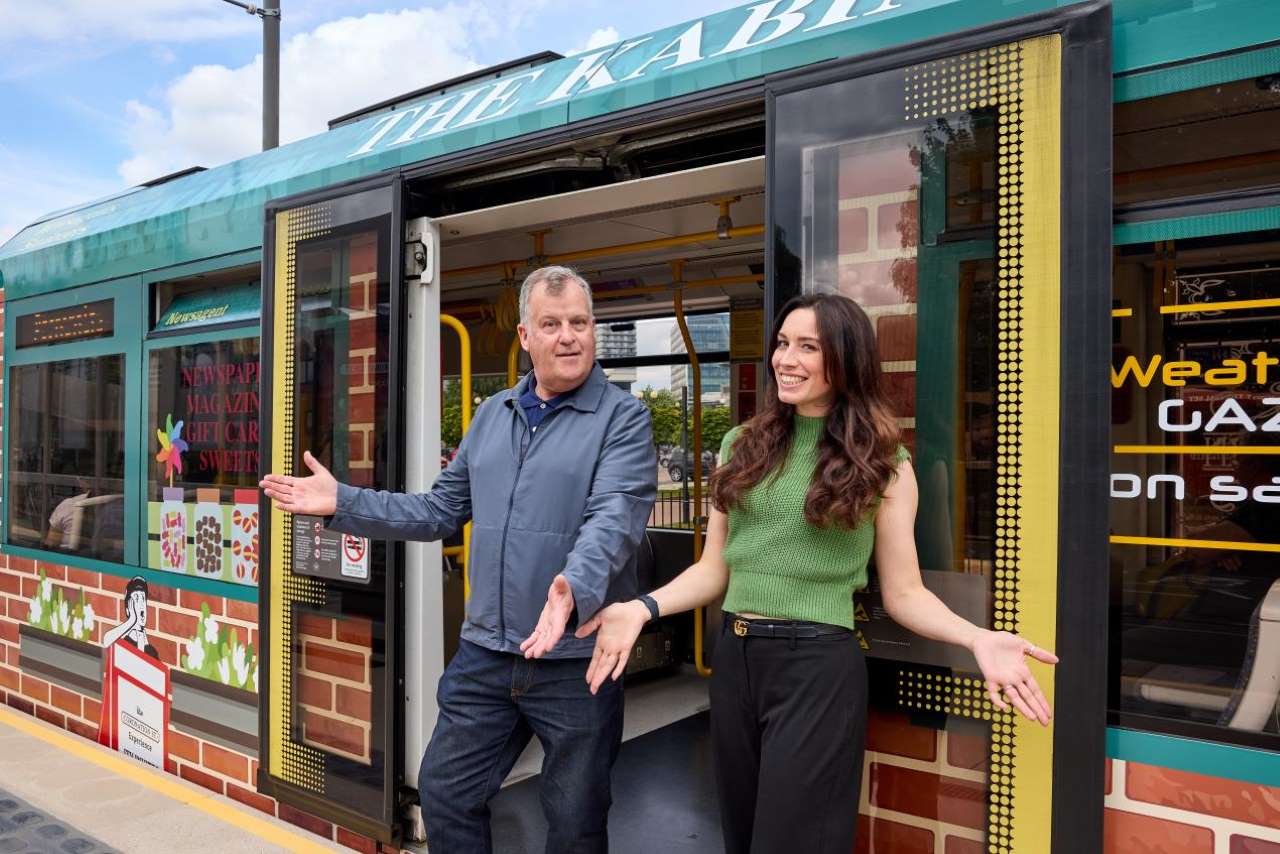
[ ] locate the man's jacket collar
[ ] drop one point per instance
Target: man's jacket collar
(585, 398)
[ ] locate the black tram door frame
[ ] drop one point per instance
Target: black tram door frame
(363, 795)
(1067, 804)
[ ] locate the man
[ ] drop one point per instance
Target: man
(558, 476)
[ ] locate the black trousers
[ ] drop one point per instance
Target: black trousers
(788, 722)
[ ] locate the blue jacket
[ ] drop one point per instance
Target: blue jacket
(574, 497)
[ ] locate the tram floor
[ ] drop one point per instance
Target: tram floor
(663, 798)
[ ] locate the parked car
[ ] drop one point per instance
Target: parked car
(680, 462)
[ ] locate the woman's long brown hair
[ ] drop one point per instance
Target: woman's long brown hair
(857, 449)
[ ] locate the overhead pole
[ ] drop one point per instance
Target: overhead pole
(270, 74)
(269, 12)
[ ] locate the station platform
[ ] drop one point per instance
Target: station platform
(65, 795)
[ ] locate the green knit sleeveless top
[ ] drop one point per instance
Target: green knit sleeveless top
(780, 565)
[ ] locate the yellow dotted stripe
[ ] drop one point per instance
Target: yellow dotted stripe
(292, 761)
(989, 79)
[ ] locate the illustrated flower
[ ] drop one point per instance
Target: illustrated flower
(195, 654)
(224, 671)
(210, 630)
(37, 611)
(172, 447)
(88, 617)
(46, 589)
(255, 677)
(77, 628)
(241, 666)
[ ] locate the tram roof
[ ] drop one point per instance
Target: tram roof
(218, 211)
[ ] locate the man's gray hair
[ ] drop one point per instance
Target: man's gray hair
(555, 278)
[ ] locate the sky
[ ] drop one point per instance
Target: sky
(97, 96)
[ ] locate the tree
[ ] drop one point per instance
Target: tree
(664, 412)
(451, 411)
(716, 421)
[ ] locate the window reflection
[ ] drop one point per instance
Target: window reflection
(66, 457)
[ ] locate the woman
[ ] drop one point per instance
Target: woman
(810, 486)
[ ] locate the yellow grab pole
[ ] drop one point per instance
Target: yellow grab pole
(464, 342)
(513, 362)
(699, 617)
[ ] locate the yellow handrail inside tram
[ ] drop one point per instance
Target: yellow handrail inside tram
(513, 363)
(464, 342)
(699, 615)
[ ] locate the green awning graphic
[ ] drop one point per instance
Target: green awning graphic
(225, 305)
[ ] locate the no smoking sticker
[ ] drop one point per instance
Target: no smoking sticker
(355, 557)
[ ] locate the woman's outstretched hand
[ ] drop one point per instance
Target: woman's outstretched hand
(1002, 658)
(316, 495)
(619, 625)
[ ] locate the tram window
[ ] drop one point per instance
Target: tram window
(1195, 488)
(65, 489)
(203, 421)
(1211, 140)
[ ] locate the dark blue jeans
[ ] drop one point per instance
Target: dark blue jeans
(491, 704)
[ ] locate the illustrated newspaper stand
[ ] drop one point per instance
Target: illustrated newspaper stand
(135, 704)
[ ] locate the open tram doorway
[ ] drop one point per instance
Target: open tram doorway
(682, 247)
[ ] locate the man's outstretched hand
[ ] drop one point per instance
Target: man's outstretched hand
(555, 615)
(316, 495)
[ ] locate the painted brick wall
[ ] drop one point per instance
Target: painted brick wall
(361, 359)
(1151, 809)
(924, 791)
(335, 685)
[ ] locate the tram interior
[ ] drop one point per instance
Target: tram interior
(692, 236)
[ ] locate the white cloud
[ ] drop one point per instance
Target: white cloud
(600, 38)
(68, 22)
(35, 185)
(213, 114)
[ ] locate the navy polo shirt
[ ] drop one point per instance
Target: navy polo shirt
(535, 408)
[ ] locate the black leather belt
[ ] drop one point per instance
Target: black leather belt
(789, 629)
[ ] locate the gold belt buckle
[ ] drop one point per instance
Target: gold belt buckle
(740, 628)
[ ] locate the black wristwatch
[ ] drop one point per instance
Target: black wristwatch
(651, 604)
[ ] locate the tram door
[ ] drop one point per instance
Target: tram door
(342, 334)
(948, 200)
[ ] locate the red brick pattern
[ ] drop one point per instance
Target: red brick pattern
(360, 358)
(882, 836)
(1248, 802)
(947, 799)
(335, 684)
(893, 733)
(958, 845)
(1132, 833)
(1151, 809)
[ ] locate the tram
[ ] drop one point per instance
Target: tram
(1026, 196)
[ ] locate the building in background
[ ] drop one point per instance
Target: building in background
(710, 334)
(617, 341)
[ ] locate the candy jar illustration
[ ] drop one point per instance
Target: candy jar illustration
(173, 530)
(208, 533)
(244, 537)
(173, 510)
